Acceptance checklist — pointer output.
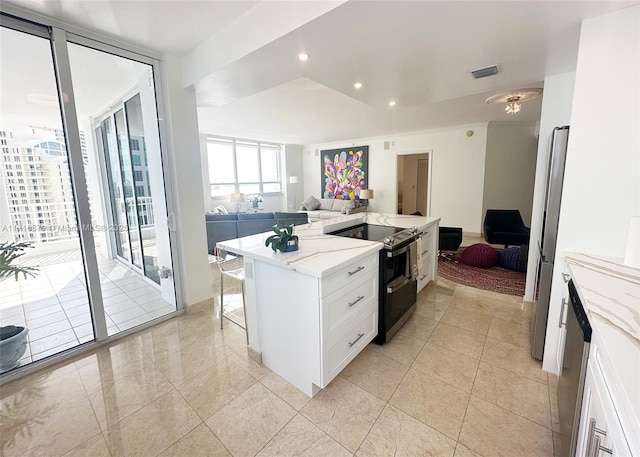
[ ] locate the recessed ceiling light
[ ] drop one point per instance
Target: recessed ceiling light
(392, 103)
(357, 85)
(303, 57)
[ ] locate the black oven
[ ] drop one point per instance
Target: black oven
(398, 287)
(398, 274)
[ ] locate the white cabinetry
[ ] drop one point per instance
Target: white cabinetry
(428, 254)
(600, 429)
(610, 414)
(311, 328)
(349, 310)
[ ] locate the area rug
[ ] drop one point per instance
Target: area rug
(495, 279)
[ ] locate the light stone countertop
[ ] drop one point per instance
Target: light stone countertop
(610, 293)
(319, 254)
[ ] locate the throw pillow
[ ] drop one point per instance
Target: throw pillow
(511, 260)
(311, 203)
(480, 255)
(220, 210)
(348, 205)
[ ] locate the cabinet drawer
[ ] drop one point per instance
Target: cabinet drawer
(426, 244)
(425, 269)
(349, 343)
(600, 426)
(349, 274)
(348, 300)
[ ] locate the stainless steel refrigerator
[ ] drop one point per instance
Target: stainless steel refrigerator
(547, 244)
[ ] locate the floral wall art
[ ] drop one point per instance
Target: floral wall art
(344, 172)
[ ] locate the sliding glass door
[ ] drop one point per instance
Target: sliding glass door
(82, 192)
(48, 306)
(116, 101)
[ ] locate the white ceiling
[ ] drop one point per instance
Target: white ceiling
(172, 26)
(418, 53)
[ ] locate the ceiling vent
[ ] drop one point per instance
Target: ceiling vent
(484, 72)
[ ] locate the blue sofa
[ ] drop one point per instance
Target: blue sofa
(221, 227)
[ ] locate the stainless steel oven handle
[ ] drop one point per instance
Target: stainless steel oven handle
(360, 297)
(397, 252)
(351, 343)
(360, 268)
(397, 284)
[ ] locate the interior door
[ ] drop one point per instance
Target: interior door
(422, 186)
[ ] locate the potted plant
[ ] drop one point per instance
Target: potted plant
(13, 339)
(284, 240)
(254, 200)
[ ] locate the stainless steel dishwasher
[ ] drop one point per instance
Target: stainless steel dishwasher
(574, 368)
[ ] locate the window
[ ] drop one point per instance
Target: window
(249, 167)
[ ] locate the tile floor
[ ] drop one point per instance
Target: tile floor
(54, 305)
(457, 380)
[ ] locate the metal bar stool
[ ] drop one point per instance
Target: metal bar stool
(232, 267)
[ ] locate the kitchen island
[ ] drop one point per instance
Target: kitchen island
(311, 311)
(610, 294)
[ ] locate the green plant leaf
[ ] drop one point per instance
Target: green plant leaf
(9, 251)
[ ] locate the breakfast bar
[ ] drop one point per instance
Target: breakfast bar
(311, 311)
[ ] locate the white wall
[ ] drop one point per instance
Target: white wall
(457, 171)
(602, 176)
(510, 167)
(187, 181)
(556, 111)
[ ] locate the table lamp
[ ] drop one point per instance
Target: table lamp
(237, 198)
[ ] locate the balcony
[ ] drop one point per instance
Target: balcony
(54, 305)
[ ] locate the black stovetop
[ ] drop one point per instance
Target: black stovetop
(370, 232)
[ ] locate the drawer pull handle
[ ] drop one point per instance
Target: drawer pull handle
(560, 323)
(355, 301)
(360, 335)
(597, 448)
(422, 277)
(593, 440)
(590, 437)
(424, 252)
(360, 268)
(566, 277)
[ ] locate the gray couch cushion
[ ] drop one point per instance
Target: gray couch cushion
(326, 204)
(291, 218)
(254, 216)
(248, 227)
(221, 217)
(220, 230)
(337, 205)
(311, 203)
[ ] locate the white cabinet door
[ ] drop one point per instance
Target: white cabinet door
(427, 256)
(600, 430)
